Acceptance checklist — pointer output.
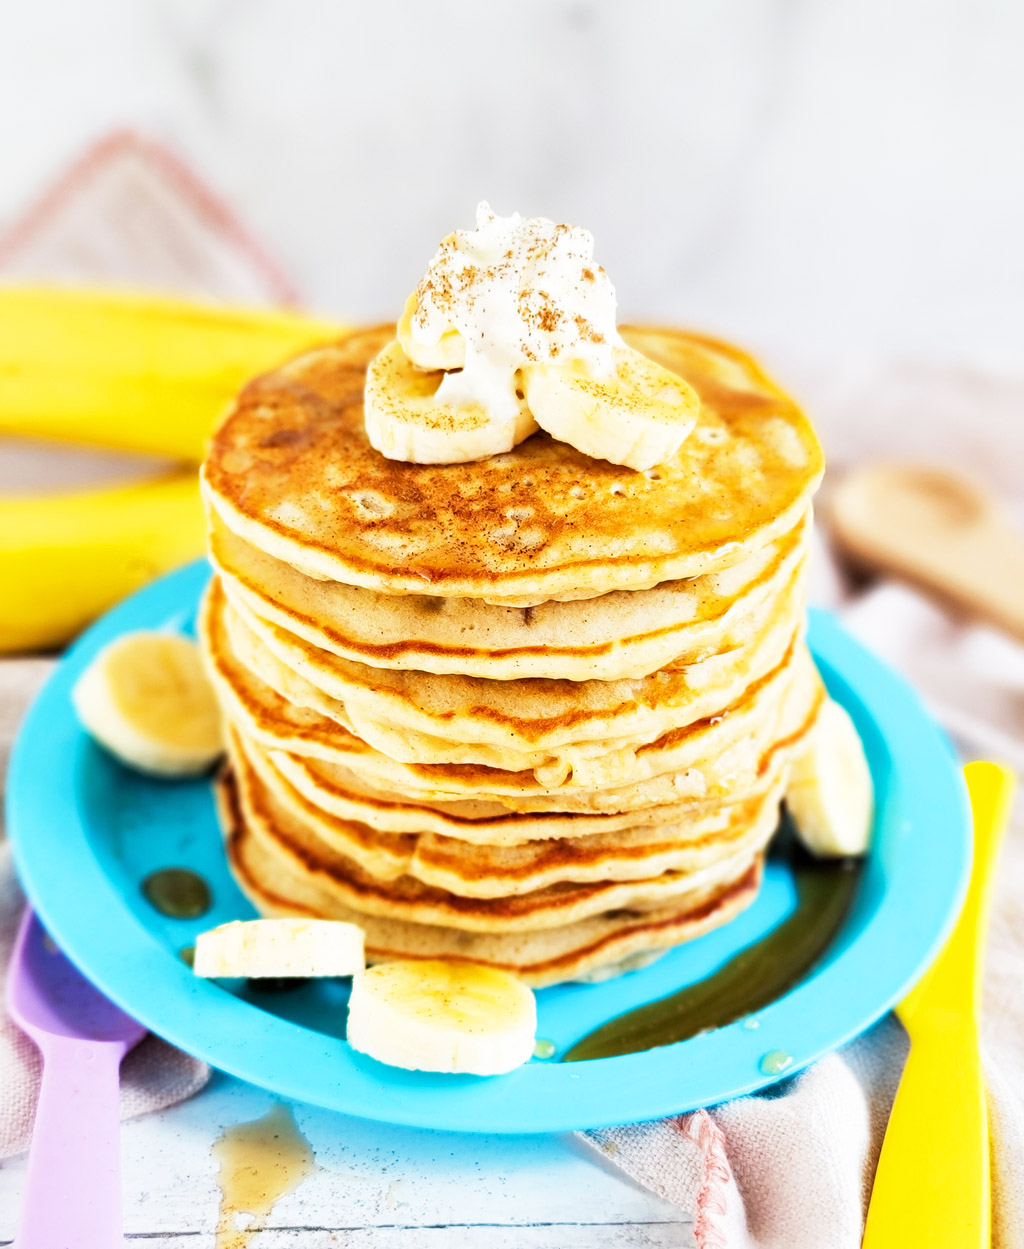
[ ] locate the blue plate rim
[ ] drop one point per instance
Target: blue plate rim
(87, 916)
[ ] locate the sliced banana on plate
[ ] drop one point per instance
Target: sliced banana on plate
(406, 419)
(280, 947)
(442, 1016)
(829, 794)
(146, 698)
(639, 415)
(449, 352)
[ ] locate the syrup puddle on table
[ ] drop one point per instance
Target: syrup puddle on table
(260, 1162)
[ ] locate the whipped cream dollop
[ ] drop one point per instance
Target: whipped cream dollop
(511, 331)
(516, 291)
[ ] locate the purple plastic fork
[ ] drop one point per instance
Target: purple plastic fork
(73, 1192)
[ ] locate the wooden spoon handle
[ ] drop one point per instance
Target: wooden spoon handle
(937, 530)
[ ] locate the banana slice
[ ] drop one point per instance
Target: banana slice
(829, 794)
(280, 947)
(638, 416)
(442, 1016)
(448, 353)
(146, 699)
(406, 419)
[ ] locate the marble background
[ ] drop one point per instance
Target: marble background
(839, 185)
(807, 169)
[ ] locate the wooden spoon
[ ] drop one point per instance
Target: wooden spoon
(937, 529)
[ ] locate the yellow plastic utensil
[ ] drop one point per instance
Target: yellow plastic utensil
(932, 1184)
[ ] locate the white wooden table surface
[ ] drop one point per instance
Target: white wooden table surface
(376, 1186)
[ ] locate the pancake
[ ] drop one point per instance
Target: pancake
(586, 730)
(291, 471)
(341, 792)
(746, 767)
(537, 710)
(494, 871)
(551, 956)
(614, 636)
(298, 848)
(705, 762)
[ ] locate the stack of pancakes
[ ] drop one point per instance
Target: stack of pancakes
(537, 710)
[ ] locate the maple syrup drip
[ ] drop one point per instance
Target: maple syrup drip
(260, 1161)
(751, 979)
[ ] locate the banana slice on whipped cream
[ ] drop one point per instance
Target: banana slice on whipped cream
(513, 329)
(639, 415)
(411, 416)
(447, 352)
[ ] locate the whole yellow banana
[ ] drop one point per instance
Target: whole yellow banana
(132, 371)
(64, 558)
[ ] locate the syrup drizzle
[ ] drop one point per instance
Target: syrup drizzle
(260, 1161)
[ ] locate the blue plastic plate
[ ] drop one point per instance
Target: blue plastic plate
(86, 831)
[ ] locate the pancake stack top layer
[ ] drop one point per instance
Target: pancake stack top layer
(291, 472)
(536, 710)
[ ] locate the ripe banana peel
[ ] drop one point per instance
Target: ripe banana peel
(65, 558)
(132, 371)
